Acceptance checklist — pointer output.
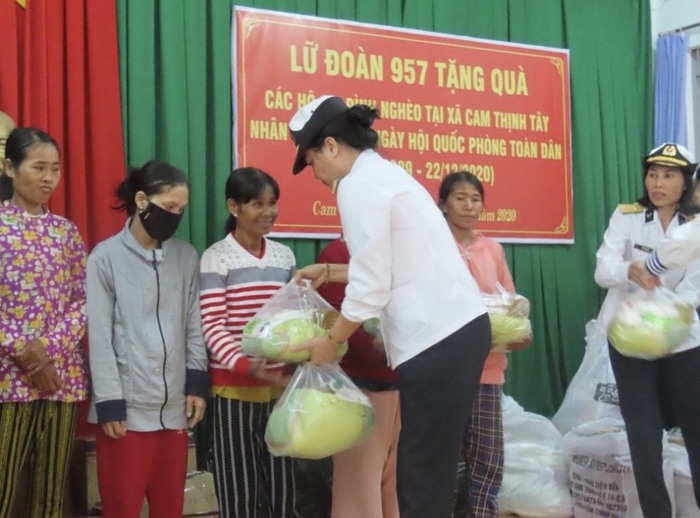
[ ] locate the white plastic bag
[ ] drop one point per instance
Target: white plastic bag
(321, 412)
(592, 392)
(511, 329)
(373, 326)
(650, 324)
(535, 469)
(294, 314)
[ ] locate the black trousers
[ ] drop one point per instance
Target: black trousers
(657, 395)
(437, 388)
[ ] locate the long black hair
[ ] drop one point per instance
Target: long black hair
(152, 178)
(19, 141)
(245, 184)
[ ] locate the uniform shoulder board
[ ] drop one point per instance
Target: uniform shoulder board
(690, 217)
(630, 208)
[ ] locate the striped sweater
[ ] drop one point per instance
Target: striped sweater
(234, 284)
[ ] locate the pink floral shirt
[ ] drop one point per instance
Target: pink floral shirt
(42, 296)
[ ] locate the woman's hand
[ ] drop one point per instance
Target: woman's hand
(46, 378)
(638, 273)
(316, 273)
(195, 409)
(114, 429)
(322, 273)
(323, 349)
(33, 357)
(38, 367)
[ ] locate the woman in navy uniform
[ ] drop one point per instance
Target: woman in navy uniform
(662, 393)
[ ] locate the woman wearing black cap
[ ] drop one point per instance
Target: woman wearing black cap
(662, 393)
(406, 270)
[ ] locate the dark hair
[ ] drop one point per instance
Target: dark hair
(19, 141)
(245, 184)
(353, 127)
(152, 178)
(448, 183)
(685, 204)
(690, 207)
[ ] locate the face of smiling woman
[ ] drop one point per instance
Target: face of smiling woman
(255, 218)
(36, 177)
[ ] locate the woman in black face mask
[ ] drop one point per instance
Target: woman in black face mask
(147, 355)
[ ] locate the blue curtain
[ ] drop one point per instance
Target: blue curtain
(669, 89)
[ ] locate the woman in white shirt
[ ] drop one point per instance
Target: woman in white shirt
(406, 270)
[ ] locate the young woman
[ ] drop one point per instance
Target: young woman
(406, 270)
(461, 199)
(238, 275)
(147, 355)
(42, 319)
(661, 393)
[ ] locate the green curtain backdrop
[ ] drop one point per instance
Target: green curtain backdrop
(175, 78)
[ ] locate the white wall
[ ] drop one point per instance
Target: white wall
(670, 15)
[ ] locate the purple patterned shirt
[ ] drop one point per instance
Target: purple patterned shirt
(42, 296)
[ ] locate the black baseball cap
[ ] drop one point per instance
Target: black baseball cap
(308, 122)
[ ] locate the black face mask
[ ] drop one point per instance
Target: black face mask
(160, 224)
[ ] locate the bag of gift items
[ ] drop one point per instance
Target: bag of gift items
(511, 329)
(320, 413)
(293, 315)
(650, 324)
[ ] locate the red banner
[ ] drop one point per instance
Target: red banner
(447, 103)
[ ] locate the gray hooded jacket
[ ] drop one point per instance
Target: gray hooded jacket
(144, 330)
